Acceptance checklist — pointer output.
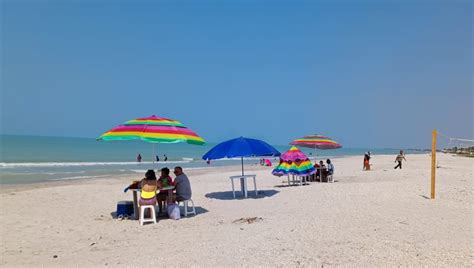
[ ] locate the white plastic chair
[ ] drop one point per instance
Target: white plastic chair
(142, 214)
(186, 211)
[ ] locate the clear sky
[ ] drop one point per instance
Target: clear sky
(366, 73)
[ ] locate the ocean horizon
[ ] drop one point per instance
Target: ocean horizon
(29, 159)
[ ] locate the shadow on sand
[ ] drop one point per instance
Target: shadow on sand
(238, 195)
(199, 211)
(291, 185)
(285, 184)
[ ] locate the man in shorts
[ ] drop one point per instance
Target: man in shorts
(399, 158)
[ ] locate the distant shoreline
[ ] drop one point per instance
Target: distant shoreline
(250, 164)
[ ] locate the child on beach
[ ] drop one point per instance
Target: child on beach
(399, 158)
(315, 175)
(164, 181)
(321, 171)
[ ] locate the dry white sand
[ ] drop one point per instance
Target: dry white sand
(375, 218)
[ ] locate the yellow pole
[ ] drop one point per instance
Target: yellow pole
(433, 163)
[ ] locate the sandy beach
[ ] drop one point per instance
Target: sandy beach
(366, 218)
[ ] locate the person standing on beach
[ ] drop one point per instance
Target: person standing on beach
(400, 157)
(366, 165)
(166, 158)
(157, 158)
(139, 158)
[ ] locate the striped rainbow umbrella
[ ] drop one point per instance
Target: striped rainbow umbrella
(153, 129)
(316, 142)
(294, 162)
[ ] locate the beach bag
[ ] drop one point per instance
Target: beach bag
(173, 211)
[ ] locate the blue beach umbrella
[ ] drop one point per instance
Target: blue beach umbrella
(241, 147)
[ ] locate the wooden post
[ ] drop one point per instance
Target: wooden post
(433, 163)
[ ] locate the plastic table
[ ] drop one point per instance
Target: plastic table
(243, 183)
(302, 180)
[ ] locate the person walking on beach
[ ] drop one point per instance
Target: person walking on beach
(157, 158)
(400, 157)
(139, 158)
(166, 158)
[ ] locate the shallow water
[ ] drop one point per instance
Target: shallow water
(27, 159)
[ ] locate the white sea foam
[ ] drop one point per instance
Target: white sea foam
(197, 168)
(80, 177)
(15, 172)
(137, 170)
(80, 164)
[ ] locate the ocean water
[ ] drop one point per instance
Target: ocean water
(29, 159)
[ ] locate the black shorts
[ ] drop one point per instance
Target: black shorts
(180, 198)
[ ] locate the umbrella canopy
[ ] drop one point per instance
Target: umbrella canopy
(316, 142)
(153, 129)
(241, 147)
(294, 162)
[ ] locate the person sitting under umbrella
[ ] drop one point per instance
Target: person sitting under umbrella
(316, 175)
(321, 173)
(164, 181)
(182, 184)
(330, 170)
(148, 187)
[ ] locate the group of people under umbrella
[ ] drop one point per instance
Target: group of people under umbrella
(156, 129)
(293, 162)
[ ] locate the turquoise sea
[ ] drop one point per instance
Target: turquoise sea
(28, 159)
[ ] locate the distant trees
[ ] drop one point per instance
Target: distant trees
(460, 150)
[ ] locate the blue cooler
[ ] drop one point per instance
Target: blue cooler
(125, 208)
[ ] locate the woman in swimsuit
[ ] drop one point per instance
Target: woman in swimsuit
(148, 186)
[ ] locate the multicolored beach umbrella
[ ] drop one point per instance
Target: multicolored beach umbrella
(316, 142)
(153, 129)
(294, 162)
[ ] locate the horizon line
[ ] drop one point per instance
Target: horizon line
(76, 137)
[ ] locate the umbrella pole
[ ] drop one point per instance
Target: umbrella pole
(154, 155)
(242, 180)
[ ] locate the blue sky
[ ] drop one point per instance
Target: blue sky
(368, 74)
